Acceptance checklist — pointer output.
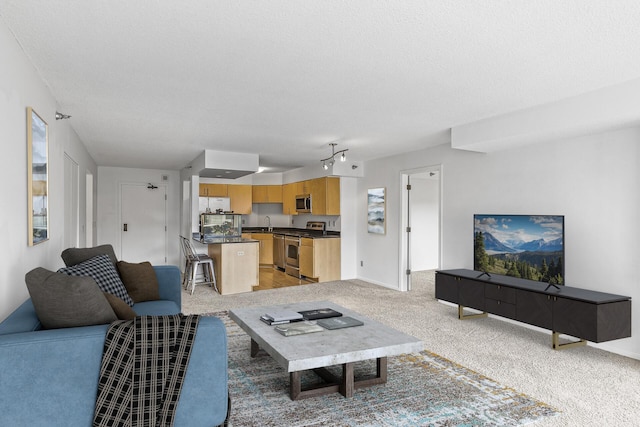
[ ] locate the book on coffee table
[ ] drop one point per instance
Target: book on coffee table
(339, 322)
(282, 315)
(271, 322)
(298, 328)
(320, 313)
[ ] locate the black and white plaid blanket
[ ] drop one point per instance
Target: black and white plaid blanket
(143, 366)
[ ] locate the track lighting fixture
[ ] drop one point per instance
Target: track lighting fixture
(331, 159)
(60, 116)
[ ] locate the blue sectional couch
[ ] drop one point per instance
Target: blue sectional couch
(50, 377)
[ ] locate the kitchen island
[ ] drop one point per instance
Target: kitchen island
(236, 263)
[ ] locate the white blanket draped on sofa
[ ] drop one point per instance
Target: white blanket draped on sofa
(143, 367)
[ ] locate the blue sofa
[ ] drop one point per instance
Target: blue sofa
(50, 377)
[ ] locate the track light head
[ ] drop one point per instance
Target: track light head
(60, 116)
(334, 153)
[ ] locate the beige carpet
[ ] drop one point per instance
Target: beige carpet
(589, 386)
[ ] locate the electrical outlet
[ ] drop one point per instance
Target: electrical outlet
(361, 263)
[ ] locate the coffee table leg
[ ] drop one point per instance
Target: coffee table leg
(294, 385)
(347, 386)
(254, 348)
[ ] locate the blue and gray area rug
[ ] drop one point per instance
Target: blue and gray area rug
(423, 389)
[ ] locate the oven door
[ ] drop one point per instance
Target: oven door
(291, 252)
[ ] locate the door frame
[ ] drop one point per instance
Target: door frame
(404, 260)
(71, 238)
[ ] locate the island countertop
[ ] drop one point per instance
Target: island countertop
(218, 240)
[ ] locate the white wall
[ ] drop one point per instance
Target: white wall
(21, 87)
(108, 214)
(592, 180)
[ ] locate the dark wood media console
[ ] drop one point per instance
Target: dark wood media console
(580, 313)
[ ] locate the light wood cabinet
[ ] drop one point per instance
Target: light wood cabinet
(289, 193)
(240, 198)
(267, 194)
(320, 259)
(236, 266)
(213, 190)
(265, 241)
(325, 196)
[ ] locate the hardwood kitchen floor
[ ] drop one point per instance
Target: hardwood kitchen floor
(271, 278)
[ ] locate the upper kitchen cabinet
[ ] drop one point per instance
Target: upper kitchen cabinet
(241, 198)
(213, 190)
(289, 193)
(325, 196)
(267, 194)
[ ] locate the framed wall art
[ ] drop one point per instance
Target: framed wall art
(376, 210)
(37, 177)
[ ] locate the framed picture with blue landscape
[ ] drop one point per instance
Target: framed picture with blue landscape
(376, 210)
(525, 246)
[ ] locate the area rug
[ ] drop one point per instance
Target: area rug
(423, 389)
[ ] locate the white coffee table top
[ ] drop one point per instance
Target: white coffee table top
(326, 348)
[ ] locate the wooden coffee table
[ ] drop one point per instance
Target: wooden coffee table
(319, 350)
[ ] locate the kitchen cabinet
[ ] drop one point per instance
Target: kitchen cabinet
(236, 266)
(240, 197)
(289, 193)
(266, 194)
(325, 196)
(213, 190)
(265, 247)
(320, 259)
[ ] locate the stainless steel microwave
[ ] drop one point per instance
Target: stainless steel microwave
(303, 203)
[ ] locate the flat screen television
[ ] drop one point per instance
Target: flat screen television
(526, 246)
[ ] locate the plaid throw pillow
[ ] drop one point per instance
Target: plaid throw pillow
(102, 270)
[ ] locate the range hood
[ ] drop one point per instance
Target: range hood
(224, 164)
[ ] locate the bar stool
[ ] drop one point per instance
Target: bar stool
(193, 261)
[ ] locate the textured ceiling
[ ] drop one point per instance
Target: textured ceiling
(152, 84)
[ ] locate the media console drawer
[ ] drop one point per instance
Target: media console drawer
(584, 314)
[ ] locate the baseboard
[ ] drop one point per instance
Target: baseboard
(375, 282)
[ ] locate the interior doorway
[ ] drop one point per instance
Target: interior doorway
(420, 241)
(143, 225)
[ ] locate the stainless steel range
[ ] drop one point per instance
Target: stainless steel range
(292, 246)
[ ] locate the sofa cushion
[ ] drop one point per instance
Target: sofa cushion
(120, 308)
(140, 280)
(156, 308)
(62, 301)
(73, 256)
(104, 273)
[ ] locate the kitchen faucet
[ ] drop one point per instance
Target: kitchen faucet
(268, 223)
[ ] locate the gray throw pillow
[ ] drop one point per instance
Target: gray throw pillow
(62, 301)
(73, 256)
(140, 280)
(120, 308)
(104, 273)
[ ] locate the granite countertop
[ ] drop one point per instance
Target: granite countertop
(218, 240)
(298, 232)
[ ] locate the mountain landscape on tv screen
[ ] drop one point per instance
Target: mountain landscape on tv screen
(524, 246)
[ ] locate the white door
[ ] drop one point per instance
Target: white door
(71, 202)
(143, 226)
(420, 224)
